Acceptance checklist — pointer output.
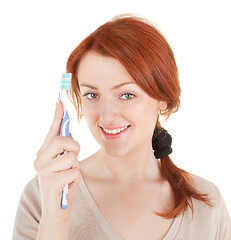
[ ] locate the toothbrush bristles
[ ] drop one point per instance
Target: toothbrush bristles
(66, 81)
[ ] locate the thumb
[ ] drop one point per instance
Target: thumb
(56, 124)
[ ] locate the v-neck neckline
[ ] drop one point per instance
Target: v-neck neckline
(105, 226)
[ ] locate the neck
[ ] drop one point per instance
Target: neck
(138, 166)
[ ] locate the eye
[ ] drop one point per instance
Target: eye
(91, 94)
(129, 94)
(94, 96)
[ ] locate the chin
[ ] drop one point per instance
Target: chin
(117, 152)
(113, 152)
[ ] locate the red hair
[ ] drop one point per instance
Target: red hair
(141, 48)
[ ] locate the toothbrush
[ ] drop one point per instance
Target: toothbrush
(64, 131)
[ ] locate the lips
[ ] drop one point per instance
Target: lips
(116, 135)
(112, 128)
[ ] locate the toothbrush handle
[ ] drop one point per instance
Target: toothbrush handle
(64, 197)
(64, 131)
(65, 190)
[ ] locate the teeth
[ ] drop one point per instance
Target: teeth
(114, 131)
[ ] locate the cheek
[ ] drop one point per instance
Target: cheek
(89, 115)
(89, 110)
(145, 113)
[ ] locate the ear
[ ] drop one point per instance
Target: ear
(162, 105)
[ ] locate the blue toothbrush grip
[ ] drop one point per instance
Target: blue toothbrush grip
(64, 131)
(65, 125)
(64, 197)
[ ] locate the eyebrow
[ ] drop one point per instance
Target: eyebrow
(113, 88)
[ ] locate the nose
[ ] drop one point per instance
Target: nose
(109, 112)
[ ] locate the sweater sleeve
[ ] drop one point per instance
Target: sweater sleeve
(28, 212)
(224, 222)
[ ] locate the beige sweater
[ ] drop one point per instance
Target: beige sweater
(88, 223)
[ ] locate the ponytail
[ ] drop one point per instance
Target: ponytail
(182, 184)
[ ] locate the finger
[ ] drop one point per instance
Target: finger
(58, 145)
(58, 116)
(66, 161)
(55, 126)
(65, 177)
(72, 187)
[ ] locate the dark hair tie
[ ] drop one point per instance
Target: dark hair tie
(161, 143)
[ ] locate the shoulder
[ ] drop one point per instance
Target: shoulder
(28, 212)
(30, 198)
(207, 187)
(32, 185)
(31, 191)
(215, 219)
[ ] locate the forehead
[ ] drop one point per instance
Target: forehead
(97, 69)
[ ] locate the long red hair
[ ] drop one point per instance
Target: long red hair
(141, 48)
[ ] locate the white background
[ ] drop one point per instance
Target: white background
(36, 40)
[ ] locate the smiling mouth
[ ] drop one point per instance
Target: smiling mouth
(115, 130)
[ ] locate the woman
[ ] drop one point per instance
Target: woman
(124, 76)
